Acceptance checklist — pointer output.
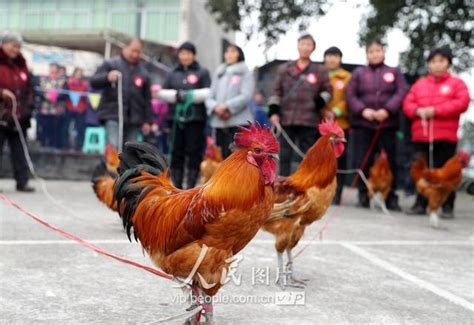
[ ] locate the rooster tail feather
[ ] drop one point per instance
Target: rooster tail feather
(135, 159)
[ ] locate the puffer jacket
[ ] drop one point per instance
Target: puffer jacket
(375, 86)
(232, 85)
(450, 98)
(14, 76)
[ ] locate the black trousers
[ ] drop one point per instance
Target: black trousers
(188, 145)
(224, 138)
(303, 136)
(386, 140)
(341, 164)
(17, 155)
(442, 152)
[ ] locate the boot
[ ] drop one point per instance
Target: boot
(177, 177)
(191, 178)
(447, 210)
(419, 207)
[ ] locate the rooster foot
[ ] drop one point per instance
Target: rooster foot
(286, 281)
(434, 220)
(195, 311)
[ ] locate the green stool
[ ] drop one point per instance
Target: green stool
(94, 140)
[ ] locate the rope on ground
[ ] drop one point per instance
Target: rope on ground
(82, 242)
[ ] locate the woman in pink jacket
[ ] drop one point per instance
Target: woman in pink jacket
(434, 105)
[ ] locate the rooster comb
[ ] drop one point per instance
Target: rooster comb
(256, 134)
(328, 127)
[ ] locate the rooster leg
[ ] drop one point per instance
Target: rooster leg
(283, 280)
(294, 279)
(434, 219)
(195, 305)
(208, 309)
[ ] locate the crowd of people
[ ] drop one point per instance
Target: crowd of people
(190, 104)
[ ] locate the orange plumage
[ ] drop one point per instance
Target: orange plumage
(380, 177)
(174, 225)
(436, 184)
(104, 176)
(304, 197)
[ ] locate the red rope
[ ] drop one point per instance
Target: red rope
(83, 242)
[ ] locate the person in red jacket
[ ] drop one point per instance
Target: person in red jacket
(15, 84)
(434, 105)
(76, 111)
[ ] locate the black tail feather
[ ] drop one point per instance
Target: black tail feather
(135, 158)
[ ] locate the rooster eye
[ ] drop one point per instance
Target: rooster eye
(257, 150)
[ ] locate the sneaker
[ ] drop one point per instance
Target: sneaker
(25, 188)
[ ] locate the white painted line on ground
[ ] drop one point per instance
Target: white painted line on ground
(260, 242)
(411, 278)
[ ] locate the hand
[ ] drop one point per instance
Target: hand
(381, 115)
(146, 128)
(368, 114)
(425, 113)
(8, 94)
(113, 76)
(155, 128)
(275, 119)
(222, 111)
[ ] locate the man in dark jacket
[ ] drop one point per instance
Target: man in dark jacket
(185, 89)
(15, 85)
(375, 94)
(136, 94)
(293, 102)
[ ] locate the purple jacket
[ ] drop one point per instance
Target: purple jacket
(375, 87)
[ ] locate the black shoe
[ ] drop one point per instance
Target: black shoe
(416, 210)
(393, 205)
(336, 200)
(25, 188)
(364, 201)
(447, 213)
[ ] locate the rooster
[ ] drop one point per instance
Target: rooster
(380, 180)
(303, 197)
(176, 226)
(213, 158)
(436, 184)
(104, 176)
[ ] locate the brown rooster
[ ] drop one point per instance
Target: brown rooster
(212, 160)
(104, 176)
(176, 226)
(303, 197)
(380, 179)
(436, 184)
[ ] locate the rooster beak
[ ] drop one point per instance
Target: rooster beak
(275, 156)
(342, 140)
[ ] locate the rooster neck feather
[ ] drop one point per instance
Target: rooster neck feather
(318, 167)
(235, 184)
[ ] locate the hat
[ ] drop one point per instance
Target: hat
(443, 51)
(187, 46)
(10, 37)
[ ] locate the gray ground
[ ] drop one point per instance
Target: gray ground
(369, 268)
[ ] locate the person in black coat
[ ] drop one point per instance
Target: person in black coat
(137, 112)
(186, 89)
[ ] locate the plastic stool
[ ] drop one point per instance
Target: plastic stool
(94, 140)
